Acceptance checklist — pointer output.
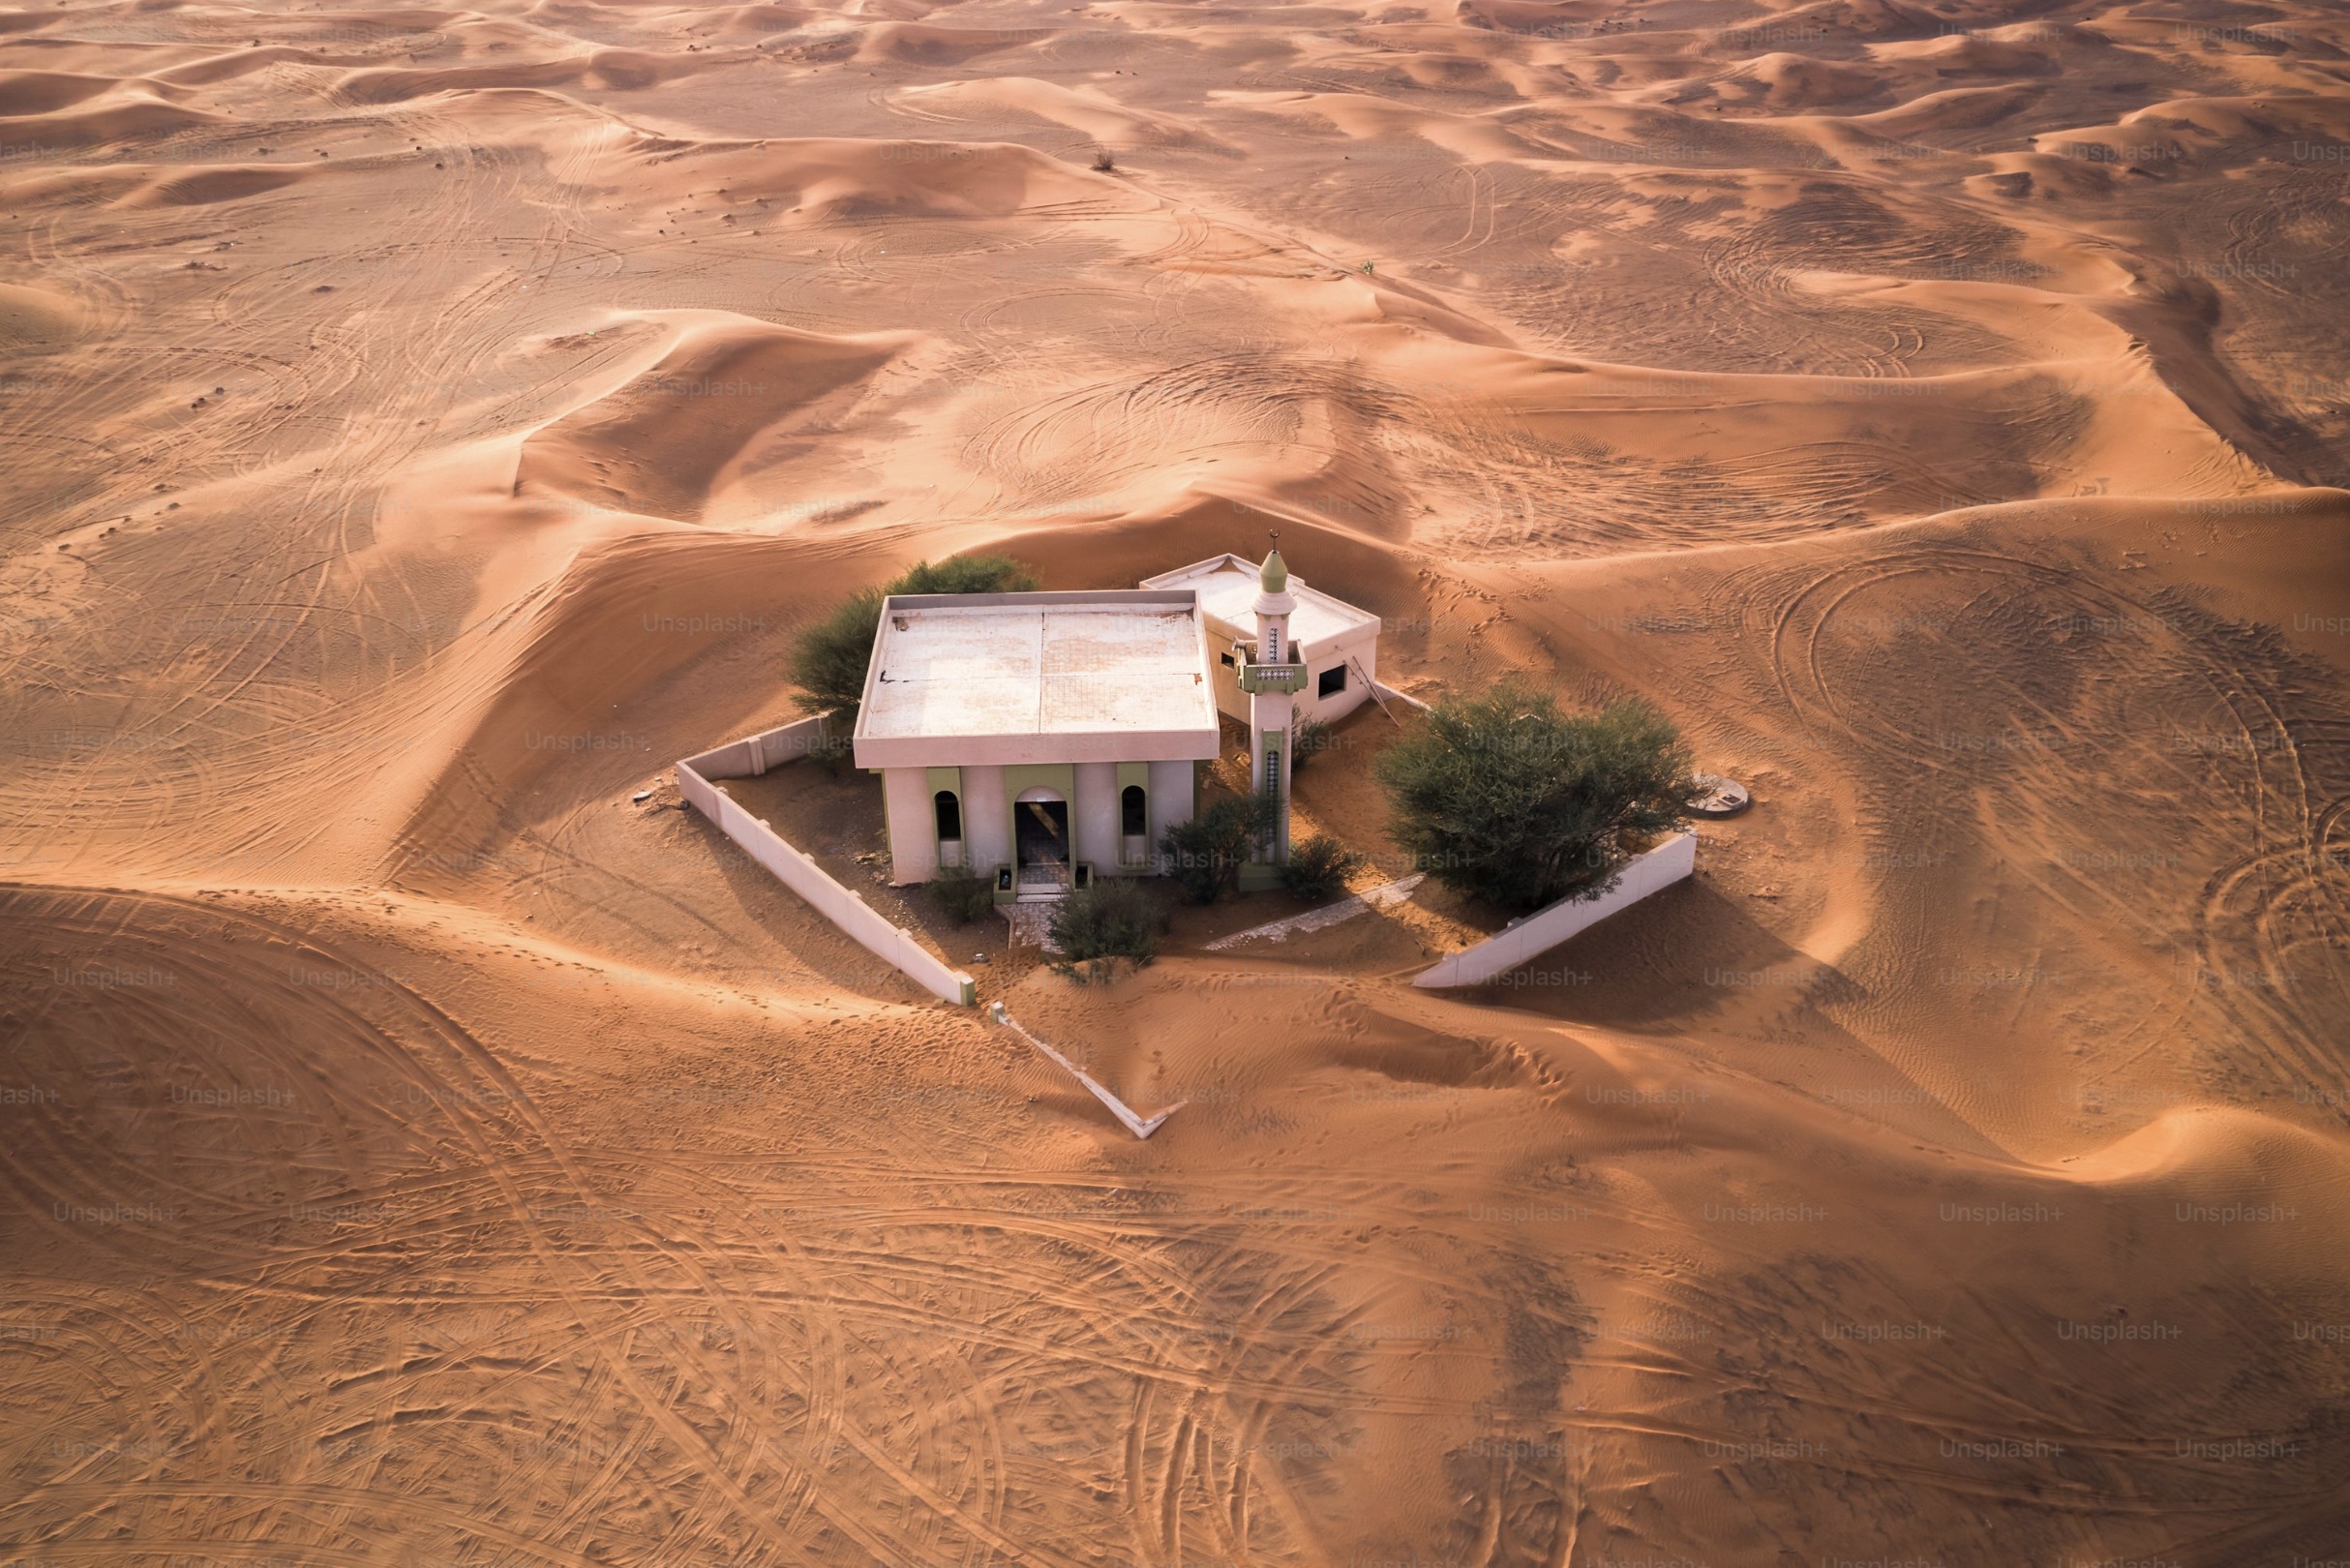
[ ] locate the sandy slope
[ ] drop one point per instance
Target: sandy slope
(419, 426)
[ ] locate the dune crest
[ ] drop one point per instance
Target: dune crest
(684, 429)
(430, 1143)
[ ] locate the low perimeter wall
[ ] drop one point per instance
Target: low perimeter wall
(1538, 933)
(754, 755)
(746, 758)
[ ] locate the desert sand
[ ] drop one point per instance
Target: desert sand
(419, 427)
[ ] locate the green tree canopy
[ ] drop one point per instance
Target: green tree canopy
(828, 661)
(1504, 797)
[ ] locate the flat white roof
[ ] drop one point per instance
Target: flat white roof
(970, 679)
(1229, 585)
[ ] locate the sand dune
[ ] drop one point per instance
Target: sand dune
(693, 421)
(33, 317)
(42, 92)
(421, 427)
(1094, 113)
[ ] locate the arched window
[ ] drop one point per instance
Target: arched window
(949, 815)
(1133, 814)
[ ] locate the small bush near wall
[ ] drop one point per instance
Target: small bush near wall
(1314, 738)
(1204, 855)
(834, 753)
(1318, 868)
(960, 893)
(1116, 918)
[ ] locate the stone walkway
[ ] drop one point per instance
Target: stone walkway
(1030, 924)
(1314, 919)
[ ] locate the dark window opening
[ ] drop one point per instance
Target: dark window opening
(1133, 812)
(1334, 681)
(1226, 657)
(949, 815)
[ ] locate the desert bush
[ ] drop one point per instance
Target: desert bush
(1116, 918)
(1205, 853)
(965, 574)
(1318, 868)
(1105, 162)
(828, 661)
(1312, 739)
(961, 894)
(1505, 798)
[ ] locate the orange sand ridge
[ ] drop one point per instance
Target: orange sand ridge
(420, 426)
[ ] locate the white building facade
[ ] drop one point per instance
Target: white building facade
(1039, 739)
(1044, 740)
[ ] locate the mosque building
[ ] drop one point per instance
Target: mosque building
(1048, 739)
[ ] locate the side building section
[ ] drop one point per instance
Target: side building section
(1336, 642)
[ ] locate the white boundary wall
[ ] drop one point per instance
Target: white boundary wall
(755, 755)
(1668, 862)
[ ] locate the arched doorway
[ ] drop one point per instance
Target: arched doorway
(947, 813)
(1040, 840)
(1133, 826)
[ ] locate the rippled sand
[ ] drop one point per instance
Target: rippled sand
(419, 427)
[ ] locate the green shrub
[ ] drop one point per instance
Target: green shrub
(962, 893)
(965, 574)
(1205, 855)
(1312, 739)
(1505, 798)
(1115, 918)
(828, 661)
(1318, 868)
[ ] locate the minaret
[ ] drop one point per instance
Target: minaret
(1272, 699)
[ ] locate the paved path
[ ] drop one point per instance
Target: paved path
(1314, 919)
(1030, 924)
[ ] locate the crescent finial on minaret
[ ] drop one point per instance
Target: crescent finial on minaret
(1274, 578)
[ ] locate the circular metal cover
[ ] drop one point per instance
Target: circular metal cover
(1723, 796)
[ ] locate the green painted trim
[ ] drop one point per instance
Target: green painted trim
(1280, 678)
(1061, 777)
(1275, 788)
(951, 781)
(1133, 776)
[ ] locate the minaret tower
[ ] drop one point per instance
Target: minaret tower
(1274, 677)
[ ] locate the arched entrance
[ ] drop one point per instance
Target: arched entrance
(1040, 840)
